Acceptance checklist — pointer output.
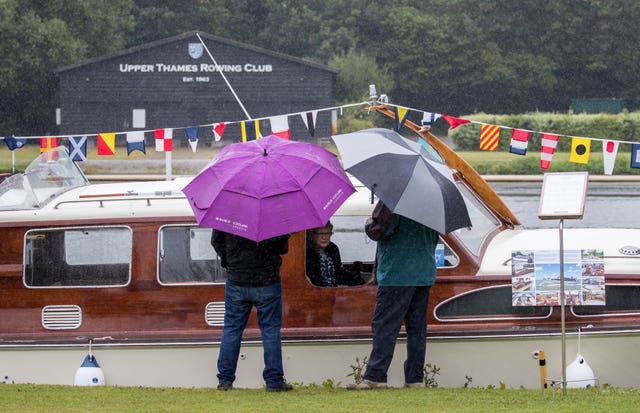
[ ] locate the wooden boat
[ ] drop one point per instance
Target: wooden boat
(121, 271)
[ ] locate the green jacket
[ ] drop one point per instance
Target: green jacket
(406, 249)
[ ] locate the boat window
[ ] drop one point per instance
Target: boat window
(356, 247)
(78, 257)
(186, 256)
(483, 222)
(489, 303)
(620, 300)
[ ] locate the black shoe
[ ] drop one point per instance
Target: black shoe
(283, 387)
(225, 386)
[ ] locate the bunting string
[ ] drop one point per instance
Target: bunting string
(491, 133)
(488, 139)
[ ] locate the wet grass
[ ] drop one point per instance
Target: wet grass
(45, 398)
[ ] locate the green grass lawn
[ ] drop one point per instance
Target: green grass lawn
(42, 398)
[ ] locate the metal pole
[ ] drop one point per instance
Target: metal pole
(223, 76)
(562, 315)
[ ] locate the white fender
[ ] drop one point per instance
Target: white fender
(579, 374)
(89, 373)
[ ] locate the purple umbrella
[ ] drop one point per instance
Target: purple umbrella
(268, 187)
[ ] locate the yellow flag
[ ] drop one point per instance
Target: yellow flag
(580, 149)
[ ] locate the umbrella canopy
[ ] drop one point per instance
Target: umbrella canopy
(268, 187)
(403, 174)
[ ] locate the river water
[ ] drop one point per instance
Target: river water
(608, 204)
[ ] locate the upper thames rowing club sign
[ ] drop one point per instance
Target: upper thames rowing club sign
(199, 68)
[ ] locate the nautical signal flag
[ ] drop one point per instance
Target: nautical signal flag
(428, 120)
(580, 149)
(519, 141)
(48, 143)
(401, 116)
(250, 130)
(192, 136)
(135, 142)
(280, 126)
(14, 143)
(218, 130)
(609, 152)
(164, 139)
(309, 119)
(547, 149)
(635, 155)
(454, 122)
(107, 144)
(489, 136)
(78, 148)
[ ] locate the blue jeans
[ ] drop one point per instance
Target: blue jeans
(238, 302)
(393, 306)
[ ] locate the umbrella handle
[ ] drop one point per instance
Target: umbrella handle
(373, 191)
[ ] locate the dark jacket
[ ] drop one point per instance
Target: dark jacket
(249, 263)
(342, 275)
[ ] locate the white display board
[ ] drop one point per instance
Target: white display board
(563, 195)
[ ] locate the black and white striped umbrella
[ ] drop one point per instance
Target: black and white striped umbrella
(410, 180)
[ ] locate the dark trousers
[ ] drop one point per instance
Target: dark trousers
(393, 306)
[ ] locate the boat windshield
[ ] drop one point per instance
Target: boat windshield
(49, 175)
(483, 222)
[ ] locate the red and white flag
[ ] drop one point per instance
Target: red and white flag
(547, 149)
(164, 140)
(218, 130)
(280, 126)
(609, 152)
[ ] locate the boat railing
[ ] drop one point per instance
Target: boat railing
(103, 199)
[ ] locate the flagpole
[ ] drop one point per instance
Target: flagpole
(223, 77)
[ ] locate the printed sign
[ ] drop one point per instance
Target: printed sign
(536, 277)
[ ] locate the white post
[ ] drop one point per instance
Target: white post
(167, 165)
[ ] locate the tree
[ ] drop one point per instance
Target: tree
(36, 38)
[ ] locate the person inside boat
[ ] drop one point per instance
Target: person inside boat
(324, 265)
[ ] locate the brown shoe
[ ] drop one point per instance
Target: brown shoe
(416, 384)
(367, 385)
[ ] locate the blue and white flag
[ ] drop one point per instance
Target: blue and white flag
(135, 142)
(635, 155)
(192, 135)
(14, 143)
(428, 119)
(78, 148)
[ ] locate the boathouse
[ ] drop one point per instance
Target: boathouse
(173, 83)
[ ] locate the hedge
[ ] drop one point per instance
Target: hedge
(624, 126)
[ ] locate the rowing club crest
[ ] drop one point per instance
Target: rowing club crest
(195, 50)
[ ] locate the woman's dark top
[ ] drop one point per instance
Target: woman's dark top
(325, 269)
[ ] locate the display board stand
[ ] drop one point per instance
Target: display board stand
(563, 197)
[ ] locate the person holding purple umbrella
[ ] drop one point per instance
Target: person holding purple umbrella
(405, 271)
(253, 279)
